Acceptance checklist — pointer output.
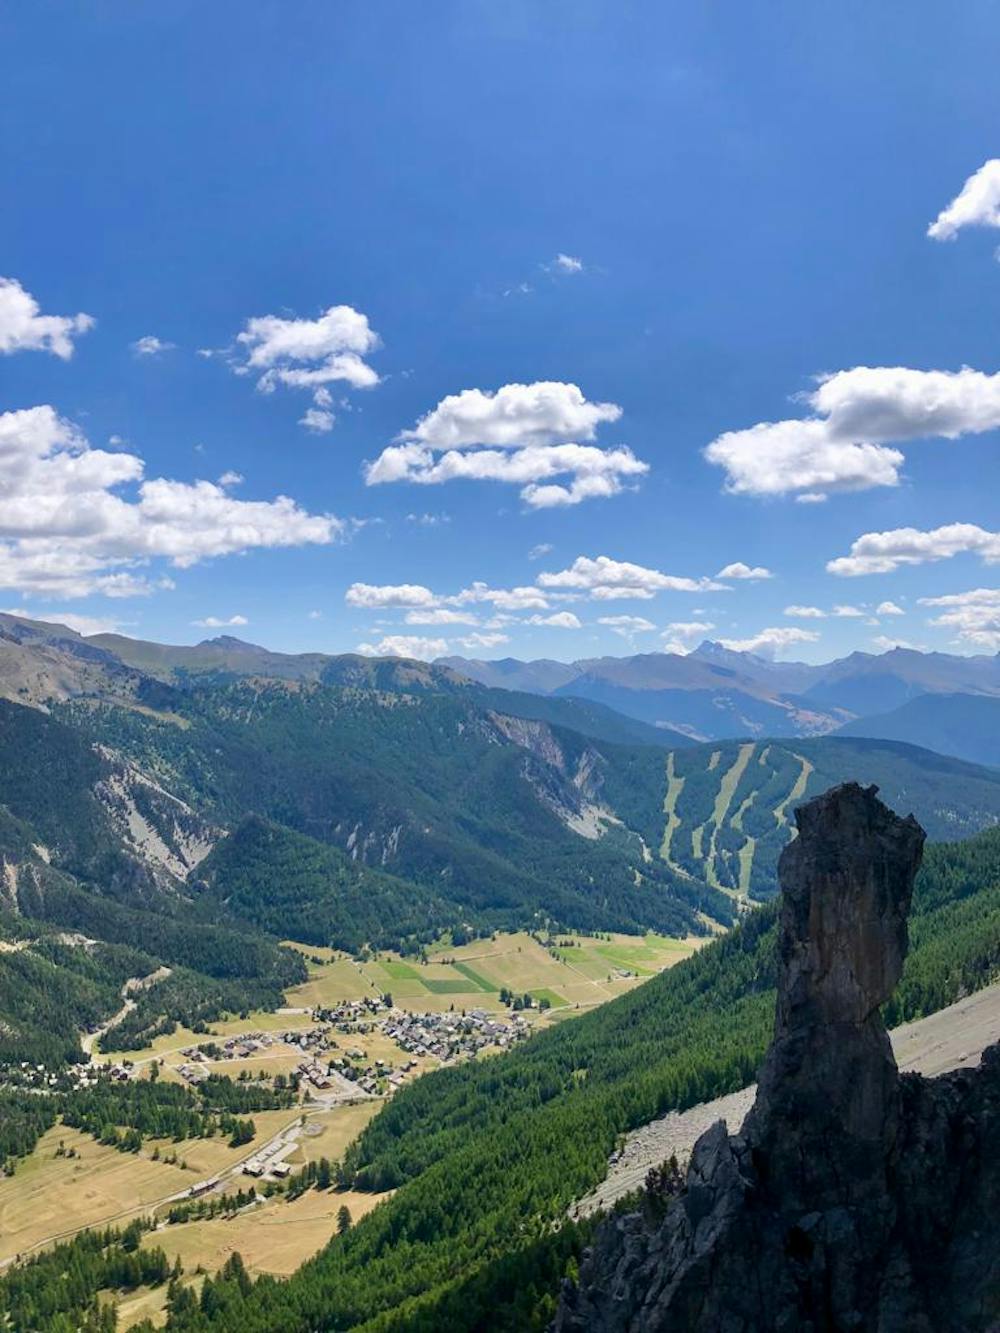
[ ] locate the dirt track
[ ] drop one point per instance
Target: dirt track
(950, 1039)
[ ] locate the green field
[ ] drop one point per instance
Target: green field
(573, 972)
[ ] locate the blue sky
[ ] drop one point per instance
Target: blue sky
(741, 198)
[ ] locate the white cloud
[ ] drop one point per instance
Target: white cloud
(689, 629)
(566, 264)
(389, 595)
(889, 609)
(605, 579)
(66, 529)
(150, 345)
(523, 434)
(627, 626)
(317, 419)
(483, 640)
(440, 615)
(557, 620)
(589, 472)
(847, 612)
(805, 613)
(405, 645)
(543, 548)
(884, 552)
(23, 328)
(769, 642)
(860, 413)
(516, 415)
(82, 624)
(738, 570)
(978, 204)
(315, 615)
(506, 599)
(309, 354)
(214, 622)
(974, 616)
(680, 635)
(428, 520)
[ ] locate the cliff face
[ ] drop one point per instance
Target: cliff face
(853, 1198)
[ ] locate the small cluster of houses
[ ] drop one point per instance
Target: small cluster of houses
(41, 1079)
(270, 1161)
(450, 1036)
(353, 1015)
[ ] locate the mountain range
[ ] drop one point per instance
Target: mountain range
(201, 804)
(714, 693)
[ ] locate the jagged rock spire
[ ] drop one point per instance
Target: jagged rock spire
(853, 1200)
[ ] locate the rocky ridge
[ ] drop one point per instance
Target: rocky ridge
(854, 1198)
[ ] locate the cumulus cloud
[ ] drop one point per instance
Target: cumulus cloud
(860, 414)
(440, 615)
(23, 327)
(680, 635)
(589, 472)
(405, 645)
(805, 612)
(318, 420)
(384, 596)
(309, 354)
(557, 620)
(306, 353)
(884, 552)
(973, 616)
(150, 345)
(516, 415)
(627, 626)
(769, 642)
(415, 598)
(977, 205)
(604, 579)
(505, 599)
(67, 528)
(566, 264)
(483, 640)
(889, 609)
(526, 435)
(738, 570)
(214, 622)
(536, 552)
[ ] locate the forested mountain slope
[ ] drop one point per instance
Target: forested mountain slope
(965, 725)
(485, 1157)
(506, 820)
(723, 812)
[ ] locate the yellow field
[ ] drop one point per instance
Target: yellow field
(579, 977)
(338, 1129)
(276, 1237)
(49, 1196)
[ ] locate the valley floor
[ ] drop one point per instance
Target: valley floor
(953, 1038)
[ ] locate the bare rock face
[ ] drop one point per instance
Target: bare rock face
(853, 1199)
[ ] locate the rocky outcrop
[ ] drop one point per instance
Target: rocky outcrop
(853, 1198)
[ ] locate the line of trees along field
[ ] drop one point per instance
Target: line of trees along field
(485, 1158)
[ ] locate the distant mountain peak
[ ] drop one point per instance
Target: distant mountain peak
(232, 644)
